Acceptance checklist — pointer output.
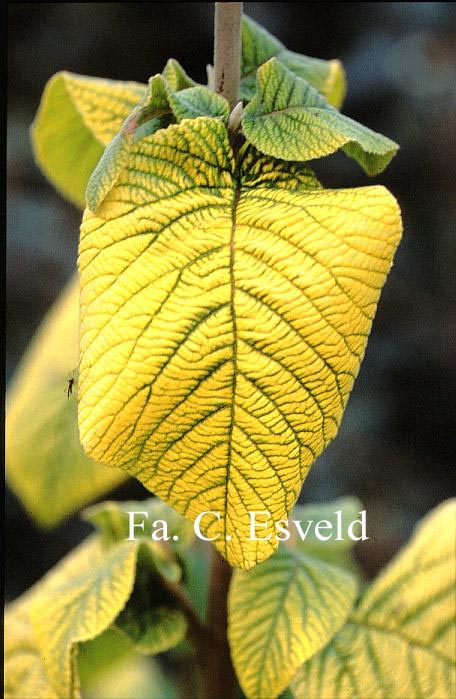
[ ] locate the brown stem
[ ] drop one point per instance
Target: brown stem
(227, 50)
(219, 679)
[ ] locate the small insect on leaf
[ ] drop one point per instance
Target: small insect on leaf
(70, 385)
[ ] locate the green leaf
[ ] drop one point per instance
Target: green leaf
(280, 614)
(78, 600)
(77, 118)
(258, 46)
(210, 294)
(175, 76)
(152, 113)
(113, 522)
(289, 119)
(400, 639)
(46, 465)
(338, 552)
(25, 675)
(101, 656)
(151, 619)
(139, 677)
(194, 102)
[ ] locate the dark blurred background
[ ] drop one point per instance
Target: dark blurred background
(396, 446)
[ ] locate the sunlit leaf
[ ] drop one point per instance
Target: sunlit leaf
(46, 465)
(289, 119)
(78, 600)
(78, 116)
(281, 614)
(224, 313)
(400, 639)
(258, 46)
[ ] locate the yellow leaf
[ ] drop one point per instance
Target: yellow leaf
(224, 315)
(46, 465)
(25, 677)
(401, 638)
(77, 118)
(280, 614)
(78, 600)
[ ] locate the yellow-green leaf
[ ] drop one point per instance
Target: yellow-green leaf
(153, 112)
(198, 101)
(77, 118)
(224, 316)
(137, 678)
(258, 46)
(101, 656)
(46, 465)
(25, 676)
(77, 601)
(280, 614)
(401, 638)
(289, 119)
(175, 76)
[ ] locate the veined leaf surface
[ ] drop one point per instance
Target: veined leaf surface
(77, 118)
(401, 638)
(77, 601)
(281, 613)
(224, 314)
(153, 112)
(46, 465)
(289, 119)
(258, 46)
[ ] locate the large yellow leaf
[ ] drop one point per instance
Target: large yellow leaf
(224, 314)
(401, 639)
(46, 465)
(77, 118)
(282, 613)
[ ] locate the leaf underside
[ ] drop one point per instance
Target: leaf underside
(401, 637)
(224, 315)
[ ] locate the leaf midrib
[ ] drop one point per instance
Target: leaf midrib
(236, 197)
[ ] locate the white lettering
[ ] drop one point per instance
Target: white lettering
(197, 525)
